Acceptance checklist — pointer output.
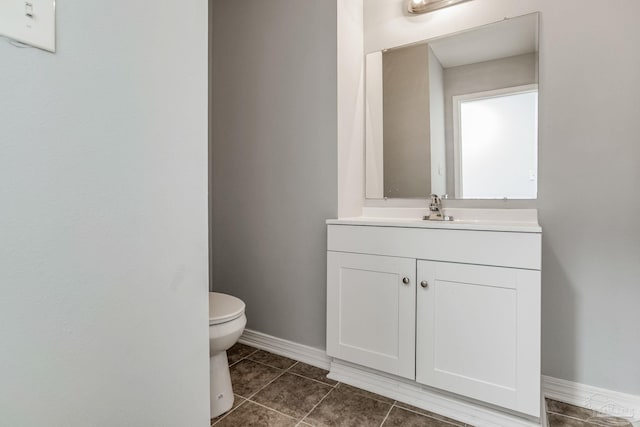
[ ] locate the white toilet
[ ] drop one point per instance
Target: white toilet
(226, 323)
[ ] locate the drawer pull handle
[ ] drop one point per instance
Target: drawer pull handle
(424, 284)
(405, 280)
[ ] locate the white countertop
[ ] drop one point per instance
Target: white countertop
(513, 220)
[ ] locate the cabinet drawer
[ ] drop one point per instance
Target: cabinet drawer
(506, 249)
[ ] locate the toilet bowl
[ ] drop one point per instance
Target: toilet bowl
(226, 323)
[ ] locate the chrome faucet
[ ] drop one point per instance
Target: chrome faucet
(435, 208)
(436, 212)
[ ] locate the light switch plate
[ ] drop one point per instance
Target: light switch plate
(31, 22)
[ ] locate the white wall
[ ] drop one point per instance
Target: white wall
(103, 219)
(436, 125)
(588, 197)
(350, 107)
(274, 168)
(374, 127)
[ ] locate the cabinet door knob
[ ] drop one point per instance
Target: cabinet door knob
(424, 284)
(405, 280)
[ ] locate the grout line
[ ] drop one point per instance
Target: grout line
(593, 418)
(369, 395)
(589, 420)
(271, 409)
(266, 364)
(316, 405)
(231, 410)
(302, 376)
(242, 358)
(387, 416)
(282, 372)
(312, 379)
(585, 422)
(566, 416)
(456, 424)
(263, 387)
(332, 387)
(270, 366)
(604, 423)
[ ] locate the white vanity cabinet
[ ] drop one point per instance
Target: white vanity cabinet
(451, 308)
(478, 332)
(373, 311)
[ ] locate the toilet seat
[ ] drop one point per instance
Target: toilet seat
(224, 308)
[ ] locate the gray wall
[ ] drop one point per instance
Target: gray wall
(103, 219)
(483, 76)
(407, 154)
(589, 197)
(274, 160)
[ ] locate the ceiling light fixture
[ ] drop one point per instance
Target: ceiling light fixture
(416, 7)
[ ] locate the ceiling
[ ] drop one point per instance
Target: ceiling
(502, 39)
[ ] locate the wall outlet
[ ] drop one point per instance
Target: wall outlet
(31, 22)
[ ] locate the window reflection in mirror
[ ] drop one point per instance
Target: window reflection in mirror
(428, 122)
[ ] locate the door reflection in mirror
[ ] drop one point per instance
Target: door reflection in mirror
(496, 144)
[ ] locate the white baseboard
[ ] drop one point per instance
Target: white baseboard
(423, 397)
(388, 386)
(300, 352)
(602, 400)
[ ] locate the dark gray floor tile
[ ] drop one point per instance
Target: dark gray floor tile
(609, 421)
(271, 359)
(429, 413)
(346, 409)
(399, 417)
(312, 372)
(250, 414)
(350, 389)
(238, 352)
(556, 420)
(248, 376)
(292, 395)
(568, 410)
(237, 401)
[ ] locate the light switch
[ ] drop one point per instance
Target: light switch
(31, 22)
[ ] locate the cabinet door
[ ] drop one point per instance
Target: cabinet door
(478, 333)
(371, 311)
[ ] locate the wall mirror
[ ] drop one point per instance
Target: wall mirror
(456, 115)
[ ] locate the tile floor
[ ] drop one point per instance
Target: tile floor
(275, 391)
(561, 414)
